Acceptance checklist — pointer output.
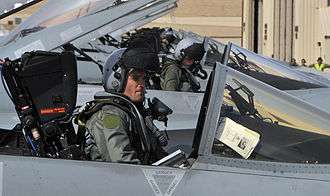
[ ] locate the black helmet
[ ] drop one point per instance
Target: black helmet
(136, 58)
(140, 58)
(144, 38)
(195, 51)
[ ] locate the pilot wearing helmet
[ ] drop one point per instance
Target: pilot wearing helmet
(117, 129)
(167, 37)
(177, 75)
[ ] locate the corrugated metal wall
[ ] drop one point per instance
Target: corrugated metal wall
(268, 27)
(325, 33)
(275, 28)
(307, 37)
(247, 24)
(295, 28)
(282, 29)
(311, 23)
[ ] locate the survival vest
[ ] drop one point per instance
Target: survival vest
(138, 136)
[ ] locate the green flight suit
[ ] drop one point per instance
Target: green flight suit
(109, 141)
(172, 78)
(112, 136)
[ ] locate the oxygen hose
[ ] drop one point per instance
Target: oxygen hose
(3, 81)
(161, 137)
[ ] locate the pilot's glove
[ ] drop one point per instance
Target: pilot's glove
(160, 135)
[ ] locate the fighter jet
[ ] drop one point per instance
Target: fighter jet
(236, 149)
(250, 137)
(71, 24)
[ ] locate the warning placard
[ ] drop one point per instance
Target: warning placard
(163, 182)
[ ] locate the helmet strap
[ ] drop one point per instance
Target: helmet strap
(123, 80)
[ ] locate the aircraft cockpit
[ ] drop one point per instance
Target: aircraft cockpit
(252, 119)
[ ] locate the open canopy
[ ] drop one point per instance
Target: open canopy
(81, 22)
(55, 13)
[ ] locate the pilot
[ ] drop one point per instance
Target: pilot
(176, 75)
(167, 37)
(112, 132)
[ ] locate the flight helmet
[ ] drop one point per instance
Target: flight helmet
(189, 48)
(131, 59)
